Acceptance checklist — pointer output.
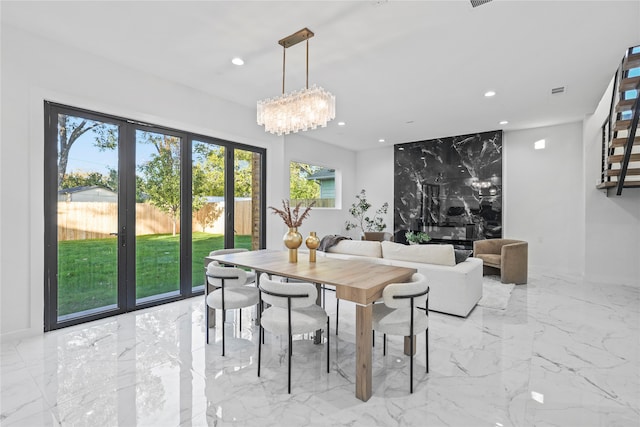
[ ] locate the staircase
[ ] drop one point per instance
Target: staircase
(620, 135)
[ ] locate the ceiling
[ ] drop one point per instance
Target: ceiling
(400, 70)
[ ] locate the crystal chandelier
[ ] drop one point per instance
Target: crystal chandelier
(301, 110)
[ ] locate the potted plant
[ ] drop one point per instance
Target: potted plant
(416, 237)
(363, 221)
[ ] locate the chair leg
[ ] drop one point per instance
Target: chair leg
(426, 335)
(328, 335)
(411, 364)
(373, 338)
(289, 367)
(206, 319)
(384, 344)
(224, 317)
(240, 325)
(260, 334)
(337, 310)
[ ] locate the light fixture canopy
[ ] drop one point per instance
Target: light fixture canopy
(296, 111)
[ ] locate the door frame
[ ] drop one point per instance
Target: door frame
(126, 299)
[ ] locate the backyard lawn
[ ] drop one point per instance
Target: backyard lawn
(87, 269)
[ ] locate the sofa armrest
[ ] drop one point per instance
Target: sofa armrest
(514, 262)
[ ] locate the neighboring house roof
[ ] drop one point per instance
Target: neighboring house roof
(324, 173)
(82, 188)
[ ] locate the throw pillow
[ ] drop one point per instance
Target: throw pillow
(462, 255)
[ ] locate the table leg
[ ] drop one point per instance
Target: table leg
(363, 351)
(407, 346)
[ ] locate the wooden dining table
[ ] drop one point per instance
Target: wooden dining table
(358, 281)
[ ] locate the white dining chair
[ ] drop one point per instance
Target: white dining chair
(234, 291)
(292, 311)
(251, 275)
(400, 315)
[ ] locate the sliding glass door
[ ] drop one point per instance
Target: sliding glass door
(133, 209)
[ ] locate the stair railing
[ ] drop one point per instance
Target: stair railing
(629, 146)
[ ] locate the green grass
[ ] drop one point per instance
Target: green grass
(88, 274)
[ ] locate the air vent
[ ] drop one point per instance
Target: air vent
(557, 90)
(476, 3)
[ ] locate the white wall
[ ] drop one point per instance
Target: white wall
(35, 69)
(612, 223)
(543, 197)
(375, 175)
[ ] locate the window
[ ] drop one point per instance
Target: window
(132, 209)
(310, 183)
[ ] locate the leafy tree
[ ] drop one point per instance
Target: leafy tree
(207, 214)
(87, 179)
(300, 186)
(211, 162)
(161, 175)
(71, 128)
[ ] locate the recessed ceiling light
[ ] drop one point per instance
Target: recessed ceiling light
(540, 144)
(489, 94)
(381, 140)
(341, 123)
(504, 122)
(237, 61)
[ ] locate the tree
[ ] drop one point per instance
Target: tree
(211, 163)
(71, 128)
(161, 175)
(207, 214)
(87, 179)
(300, 187)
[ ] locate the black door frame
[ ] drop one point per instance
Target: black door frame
(126, 214)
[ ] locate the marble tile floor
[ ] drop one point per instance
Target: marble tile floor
(563, 353)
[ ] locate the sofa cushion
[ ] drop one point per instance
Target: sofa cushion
(357, 247)
(491, 260)
(427, 254)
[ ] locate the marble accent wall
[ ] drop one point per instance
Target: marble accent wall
(450, 187)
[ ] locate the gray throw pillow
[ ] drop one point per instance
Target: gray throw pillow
(462, 255)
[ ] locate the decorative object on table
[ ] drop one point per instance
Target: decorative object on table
(305, 109)
(312, 243)
(363, 221)
(292, 219)
(416, 237)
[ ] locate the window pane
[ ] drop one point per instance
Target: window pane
(309, 183)
(157, 215)
(87, 217)
(207, 206)
(247, 173)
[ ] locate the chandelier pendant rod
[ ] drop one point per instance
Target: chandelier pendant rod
(307, 63)
(284, 63)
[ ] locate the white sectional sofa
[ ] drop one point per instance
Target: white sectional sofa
(454, 288)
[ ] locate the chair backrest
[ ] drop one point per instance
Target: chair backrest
(398, 295)
(227, 251)
(232, 276)
(277, 293)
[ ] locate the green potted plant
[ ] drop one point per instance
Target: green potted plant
(362, 220)
(416, 237)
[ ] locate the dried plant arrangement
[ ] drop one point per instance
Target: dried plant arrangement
(292, 218)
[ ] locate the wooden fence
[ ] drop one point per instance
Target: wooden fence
(96, 220)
